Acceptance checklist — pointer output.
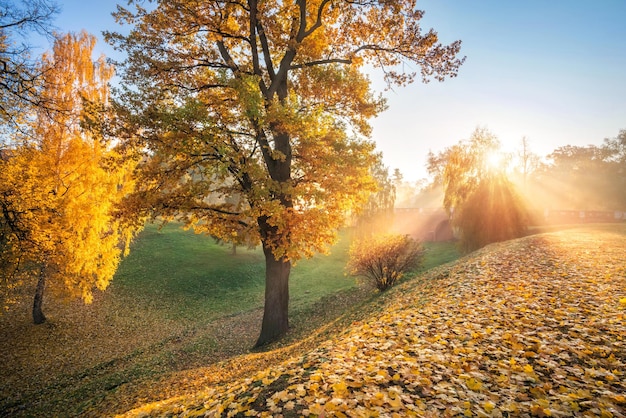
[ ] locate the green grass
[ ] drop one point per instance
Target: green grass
(438, 253)
(193, 277)
(190, 274)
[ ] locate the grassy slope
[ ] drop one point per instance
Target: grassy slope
(533, 327)
(179, 302)
(200, 278)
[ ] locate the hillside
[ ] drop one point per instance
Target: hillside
(533, 327)
(179, 305)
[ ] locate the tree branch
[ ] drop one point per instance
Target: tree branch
(318, 21)
(322, 62)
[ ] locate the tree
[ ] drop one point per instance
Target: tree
(266, 99)
(528, 161)
(59, 188)
(585, 177)
(616, 148)
(376, 215)
(577, 178)
(482, 202)
(20, 76)
(616, 158)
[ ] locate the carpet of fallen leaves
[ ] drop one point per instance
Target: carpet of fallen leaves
(534, 327)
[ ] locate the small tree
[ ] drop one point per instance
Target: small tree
(384, 259)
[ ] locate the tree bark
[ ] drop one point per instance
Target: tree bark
(38, 316)
(276, 310)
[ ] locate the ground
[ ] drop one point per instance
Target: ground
(534, 327)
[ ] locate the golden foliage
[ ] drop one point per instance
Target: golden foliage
(60, 188)
(531, 327)
(254, 115)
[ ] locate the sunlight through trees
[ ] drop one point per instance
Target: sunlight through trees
(483, 204)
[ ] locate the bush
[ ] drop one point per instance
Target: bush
(384, 259)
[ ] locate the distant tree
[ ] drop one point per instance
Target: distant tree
(617, 147)
(20, 74)
(376, 215)
(483, 204)
(59, 188)
(528, 161)
(575, 178)
(616, 158)
(259, 97)
(436, 166)
(585, 177)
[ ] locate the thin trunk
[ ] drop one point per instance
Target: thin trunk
(276, 310)
(38, 316)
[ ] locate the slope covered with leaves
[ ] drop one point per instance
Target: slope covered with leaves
(533, 327)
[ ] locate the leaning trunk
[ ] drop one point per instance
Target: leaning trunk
(276, 311)
(38, 316)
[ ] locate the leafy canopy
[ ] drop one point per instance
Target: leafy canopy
(254, 114)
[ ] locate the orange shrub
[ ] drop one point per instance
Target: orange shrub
(384, 259)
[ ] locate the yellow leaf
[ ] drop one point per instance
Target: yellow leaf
(488, 406)
(340, 388)
(604, 413)
(474, 384)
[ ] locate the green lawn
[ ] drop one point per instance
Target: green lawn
(193, 277)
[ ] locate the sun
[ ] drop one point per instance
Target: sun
(494, 160)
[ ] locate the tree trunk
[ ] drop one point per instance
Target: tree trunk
(276, 310)
(38, 316)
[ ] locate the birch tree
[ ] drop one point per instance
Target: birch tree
(60, 188)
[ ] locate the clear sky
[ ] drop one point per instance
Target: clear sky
(551, 70)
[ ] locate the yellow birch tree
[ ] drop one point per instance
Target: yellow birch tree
(60, 189)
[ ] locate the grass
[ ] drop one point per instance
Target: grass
(197, 277)
(178, 304)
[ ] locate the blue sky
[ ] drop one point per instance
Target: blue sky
(552, 70)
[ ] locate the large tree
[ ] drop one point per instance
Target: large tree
(60, 185)
(266, 100)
